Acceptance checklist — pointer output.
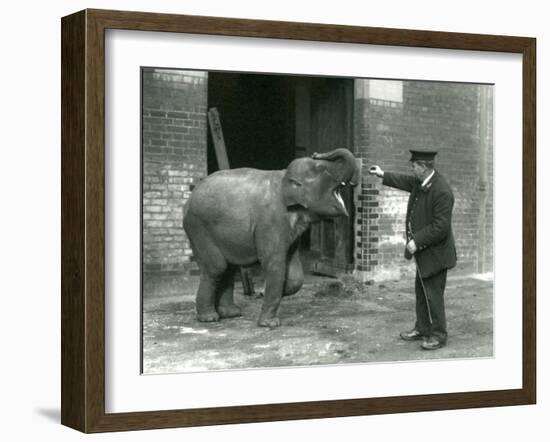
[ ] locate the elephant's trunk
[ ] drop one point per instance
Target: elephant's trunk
(341, 153)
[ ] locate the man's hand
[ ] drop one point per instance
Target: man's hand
(411, 247)
(375, 170)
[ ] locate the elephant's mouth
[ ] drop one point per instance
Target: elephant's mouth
(339, 201)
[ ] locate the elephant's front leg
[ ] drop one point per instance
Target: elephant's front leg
(294, 277)
(274, 270)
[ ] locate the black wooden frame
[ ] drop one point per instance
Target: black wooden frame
(83, 217)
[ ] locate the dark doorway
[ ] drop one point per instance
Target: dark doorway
(268, 120)
(256, 117)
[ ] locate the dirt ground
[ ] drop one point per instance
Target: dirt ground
(328, 322)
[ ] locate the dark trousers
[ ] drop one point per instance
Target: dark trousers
(435, 288)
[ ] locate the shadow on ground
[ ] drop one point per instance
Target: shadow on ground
(324, 323)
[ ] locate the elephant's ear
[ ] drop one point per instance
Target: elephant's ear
(293, 189)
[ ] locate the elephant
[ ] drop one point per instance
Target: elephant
(241, 217)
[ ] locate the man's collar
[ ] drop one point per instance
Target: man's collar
(427, 183)
(428, 178)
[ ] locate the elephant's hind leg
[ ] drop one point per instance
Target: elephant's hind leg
(225, 304)
(212, 265)
(205, 301)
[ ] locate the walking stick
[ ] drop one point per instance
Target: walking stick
(423, 290)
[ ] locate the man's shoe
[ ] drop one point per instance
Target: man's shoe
(432, 344)
(413, 335)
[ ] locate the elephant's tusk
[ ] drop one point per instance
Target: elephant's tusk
(339, 199)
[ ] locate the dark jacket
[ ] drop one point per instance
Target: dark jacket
(428, 221)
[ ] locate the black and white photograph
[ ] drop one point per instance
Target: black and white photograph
(297, 221)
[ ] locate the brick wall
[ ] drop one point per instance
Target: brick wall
(487, 138)
(454, 119)
(174, 160)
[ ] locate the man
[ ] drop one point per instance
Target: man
(430, 242)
